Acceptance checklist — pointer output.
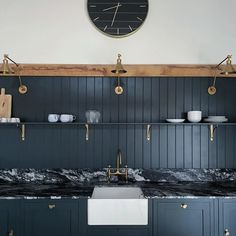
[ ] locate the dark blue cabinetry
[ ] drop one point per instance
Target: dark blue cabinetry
(9, 217)
(117, 231)
(168, 217)
(47, 218)
(227, 217)
(183, 217)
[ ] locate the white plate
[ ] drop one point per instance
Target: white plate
(216, 120)
(175, 120)
(216, 117)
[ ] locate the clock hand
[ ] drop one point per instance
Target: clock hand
(111, 7)
(113, 20)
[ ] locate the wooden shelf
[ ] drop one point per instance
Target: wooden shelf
(148, 70)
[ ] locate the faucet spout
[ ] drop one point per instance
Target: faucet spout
(118, 171)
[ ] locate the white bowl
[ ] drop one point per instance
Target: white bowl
(194, 116)
(175, 120)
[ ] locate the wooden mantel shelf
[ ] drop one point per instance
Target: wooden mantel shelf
(105, 70)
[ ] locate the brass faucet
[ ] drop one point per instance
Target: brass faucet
(118, 171)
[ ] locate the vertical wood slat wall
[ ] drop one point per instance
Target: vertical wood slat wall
(144, 100)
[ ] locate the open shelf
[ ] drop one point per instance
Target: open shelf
(122, 123)
(22, 126)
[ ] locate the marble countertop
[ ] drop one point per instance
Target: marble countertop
(150, 190)
(76, 183)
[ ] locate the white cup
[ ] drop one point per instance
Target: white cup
(194, 116)
(52, 118)
(4, 120)
(67, 118)
(14, 120)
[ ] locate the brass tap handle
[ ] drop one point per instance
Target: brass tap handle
(184, 206)
(109, 173)
(11, 233)
(227, 233)
(126, 173)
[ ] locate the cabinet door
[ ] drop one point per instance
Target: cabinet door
(227, 217)
(95, 231)
(49, 218)
(182, 218)
(9, 217)
(133, 232)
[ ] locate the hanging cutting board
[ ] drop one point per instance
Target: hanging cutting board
(5, 104)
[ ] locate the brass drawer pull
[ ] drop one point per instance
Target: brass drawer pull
(184, 206)
(227, 232)
(11, 233)
(51, 206)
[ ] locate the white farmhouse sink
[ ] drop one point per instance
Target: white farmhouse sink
(117, 206)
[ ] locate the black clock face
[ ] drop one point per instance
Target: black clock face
(118, 18)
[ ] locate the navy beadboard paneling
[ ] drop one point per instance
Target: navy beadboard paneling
(144, 100)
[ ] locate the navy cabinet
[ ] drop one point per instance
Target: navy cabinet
(182, 217)
(101, 231)
(44, 217)
(227, 217)
(133, 232)
(9, 217)
(117, 231)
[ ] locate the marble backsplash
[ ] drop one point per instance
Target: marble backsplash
(76, 176)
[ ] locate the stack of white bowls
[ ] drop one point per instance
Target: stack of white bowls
(194, 116)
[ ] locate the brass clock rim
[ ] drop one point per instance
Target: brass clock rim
(119, 90)
(22, 89)
(212, 90)
(119, 36)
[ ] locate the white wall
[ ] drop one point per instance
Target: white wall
(176, 31)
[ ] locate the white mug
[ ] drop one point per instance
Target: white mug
(4, 120)
(14, 120)
(67, 118)
(53, 118)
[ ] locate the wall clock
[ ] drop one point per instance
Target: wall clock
(118, 18)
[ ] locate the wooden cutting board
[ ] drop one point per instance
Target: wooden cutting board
(5, 104)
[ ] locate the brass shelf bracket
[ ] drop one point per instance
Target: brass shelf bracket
(11, 233)
(87, 132)
(148, 132)
(22, 131)
(212, 129)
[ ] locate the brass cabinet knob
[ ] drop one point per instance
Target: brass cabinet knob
(51, 206)
(227, 232)
(11, 233)
(184, 206)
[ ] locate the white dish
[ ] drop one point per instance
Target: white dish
(175, 120)
(216, 117)
(215, 120)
